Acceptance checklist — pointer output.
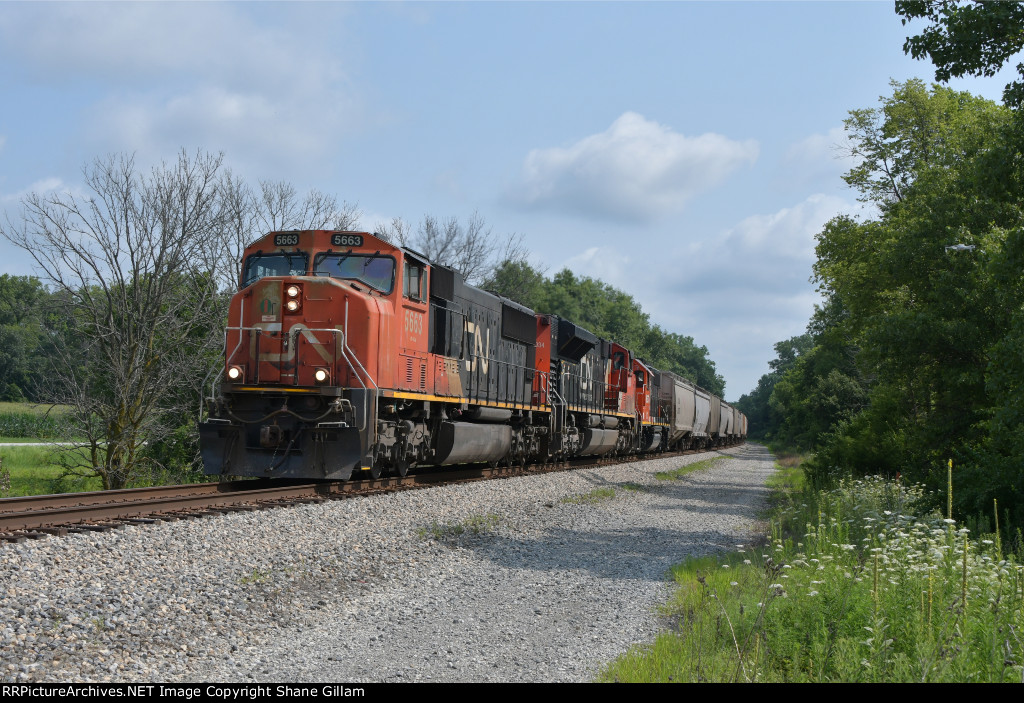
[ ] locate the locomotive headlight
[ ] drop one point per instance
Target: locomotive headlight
(321, 375)
(294, 294)
(235, 373)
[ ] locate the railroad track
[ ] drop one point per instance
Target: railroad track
(35, 517)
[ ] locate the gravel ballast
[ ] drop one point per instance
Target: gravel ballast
(537, 578)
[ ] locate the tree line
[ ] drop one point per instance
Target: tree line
(916, 355)
(125, 326)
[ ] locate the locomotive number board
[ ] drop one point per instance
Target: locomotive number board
(286, 240)
(347, 240)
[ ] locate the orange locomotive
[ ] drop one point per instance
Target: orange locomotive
(345, 353)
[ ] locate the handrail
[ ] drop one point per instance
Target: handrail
(509, 364)
(241, 316)
(346, 350)
(228, 357)
(296, 331)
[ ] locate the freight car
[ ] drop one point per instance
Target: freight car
(344, 354)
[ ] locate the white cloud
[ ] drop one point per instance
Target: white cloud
(637, 170)
(820, 156)
(223, 77)
(738, 291)
(147, 41)
(46, 185)
(786, 234)
(278, 129)
(607, 263)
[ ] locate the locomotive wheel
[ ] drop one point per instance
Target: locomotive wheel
(401, 468)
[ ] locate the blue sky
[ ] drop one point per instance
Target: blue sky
(685, 152)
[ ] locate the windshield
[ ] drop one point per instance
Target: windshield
(374, 270)
(260, 266)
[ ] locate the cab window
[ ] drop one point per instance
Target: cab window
(414, 281)
(259, 266)
(374, 270)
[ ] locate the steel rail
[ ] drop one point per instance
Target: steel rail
(68, 511)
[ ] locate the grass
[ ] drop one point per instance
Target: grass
(633, 487)
(26, 471)
(475, 524)
(32, 422)
(688, 469)
(595, 496)
(34, 408)
(853, 584)
(34, 471)
(785, 486)
(26, 440)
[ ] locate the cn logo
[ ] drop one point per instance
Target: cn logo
(478, 345)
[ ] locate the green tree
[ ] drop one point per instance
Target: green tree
(823, 386)
(678, 353)
(763, 417)
(922, 318)
(23, 302)
(518, 280)
(978, 38)
(967, 38)
(607, 312)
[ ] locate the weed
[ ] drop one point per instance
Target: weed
(784, 486)
(474, 525)
(595, 496)
(632, 487)
(688, 469)
(256, 576)
(854, 585)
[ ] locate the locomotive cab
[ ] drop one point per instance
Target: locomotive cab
(307, 348)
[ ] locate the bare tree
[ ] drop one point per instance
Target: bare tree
(238, 225)
(278, 207)
(471, 249)
(397, 232)
(135, 264)
(247, 215)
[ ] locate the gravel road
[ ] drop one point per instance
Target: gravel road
(540, 585)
